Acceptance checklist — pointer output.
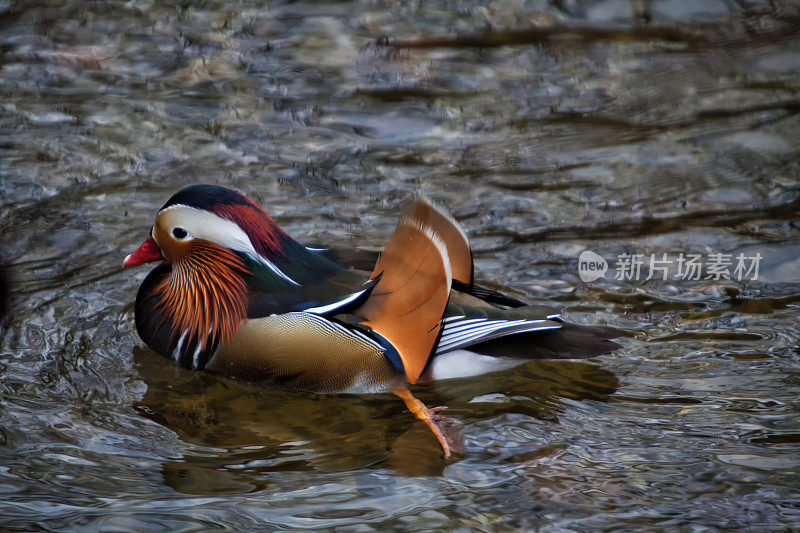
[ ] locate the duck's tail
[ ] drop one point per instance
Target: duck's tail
(570, 341)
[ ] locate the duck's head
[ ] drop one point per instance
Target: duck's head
(210, 218)
(214, 245)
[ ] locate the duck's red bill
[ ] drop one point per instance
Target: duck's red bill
(147, 252)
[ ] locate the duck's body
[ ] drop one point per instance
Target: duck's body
(237, 296)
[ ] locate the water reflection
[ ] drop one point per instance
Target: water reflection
(244, 432)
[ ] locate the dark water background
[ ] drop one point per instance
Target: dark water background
(545, 127)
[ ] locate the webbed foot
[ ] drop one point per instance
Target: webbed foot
(447, 430)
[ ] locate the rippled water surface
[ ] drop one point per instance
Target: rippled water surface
(546, 128)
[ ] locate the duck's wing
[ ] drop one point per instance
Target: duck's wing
(455, 241)
(479, 340)
(391, 342)
(408, 301)
(338, 292)
(361, 258)
(570, 341)
(468, 325)
(459, 253)
(484, 320)
(487, 296)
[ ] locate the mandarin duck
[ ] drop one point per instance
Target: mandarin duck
(234, 294)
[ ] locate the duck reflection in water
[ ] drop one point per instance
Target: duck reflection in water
(247, 432)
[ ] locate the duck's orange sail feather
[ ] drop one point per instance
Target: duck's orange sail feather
(407, 304)
(451, 234)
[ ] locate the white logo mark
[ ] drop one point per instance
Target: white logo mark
(591, 266)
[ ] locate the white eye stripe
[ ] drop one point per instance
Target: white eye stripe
(210, 227)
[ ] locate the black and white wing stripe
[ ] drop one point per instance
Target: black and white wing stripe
(337, 306)
(346, 304)
(459, 331)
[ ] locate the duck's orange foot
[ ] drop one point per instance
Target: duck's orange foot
(447, 430)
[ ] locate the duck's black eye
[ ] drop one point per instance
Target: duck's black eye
(179, 233)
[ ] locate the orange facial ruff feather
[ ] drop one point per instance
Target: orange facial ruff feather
(205, 293)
